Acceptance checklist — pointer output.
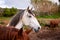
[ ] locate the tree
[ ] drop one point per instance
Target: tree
(9, 11)
(6, 12)
(44, 6)
(1, 11)
(13, 10)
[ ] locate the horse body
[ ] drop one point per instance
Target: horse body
(54, 23)
(9, 33)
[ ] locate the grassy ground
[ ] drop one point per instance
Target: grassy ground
(50, 16)
(4, 20)
(54, 16)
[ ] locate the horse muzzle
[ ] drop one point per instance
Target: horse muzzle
(37, 30)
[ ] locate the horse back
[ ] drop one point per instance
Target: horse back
(7, 33)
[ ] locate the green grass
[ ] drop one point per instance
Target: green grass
(50, 16)
(5, 18)
(2, 19)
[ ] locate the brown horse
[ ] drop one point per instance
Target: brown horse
(9, 33)
(54, 23)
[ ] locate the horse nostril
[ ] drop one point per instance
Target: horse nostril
(36, 30)
(38, 27)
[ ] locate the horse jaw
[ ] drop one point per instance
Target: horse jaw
(19, 25)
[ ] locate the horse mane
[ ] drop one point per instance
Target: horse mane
(16, 18)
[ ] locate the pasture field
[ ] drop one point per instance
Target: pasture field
(41, 19)
(4, 20)
(53, 16)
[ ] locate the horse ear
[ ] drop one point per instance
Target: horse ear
(28, 8)
(28, 31)
(20, 31)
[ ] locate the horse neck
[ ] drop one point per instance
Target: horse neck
(19, 25)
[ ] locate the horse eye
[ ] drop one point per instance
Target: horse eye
(29, 16)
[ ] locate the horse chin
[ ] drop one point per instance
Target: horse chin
(36, 30)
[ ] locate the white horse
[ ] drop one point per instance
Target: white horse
(25, 17)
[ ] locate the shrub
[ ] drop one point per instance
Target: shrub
(9, 12)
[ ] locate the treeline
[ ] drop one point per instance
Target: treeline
(45, 8)
(7, 12)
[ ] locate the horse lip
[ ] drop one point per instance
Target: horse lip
(36, 30)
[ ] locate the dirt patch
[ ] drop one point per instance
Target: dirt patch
(45, 34)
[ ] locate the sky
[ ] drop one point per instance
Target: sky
(20, 4)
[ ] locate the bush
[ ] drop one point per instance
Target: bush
(13, 10)
(6, 12)
(9, 12)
